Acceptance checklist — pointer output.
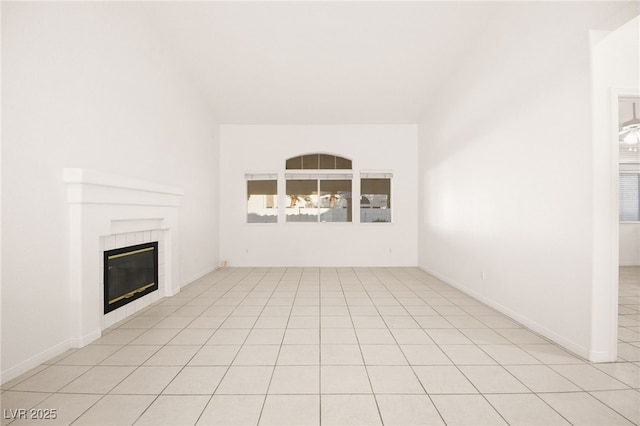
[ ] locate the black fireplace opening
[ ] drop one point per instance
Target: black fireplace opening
(129, 273)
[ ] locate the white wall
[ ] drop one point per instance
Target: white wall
(615, 71)
(265, 148)
(629, 254)
(505, 166)
(86, 85)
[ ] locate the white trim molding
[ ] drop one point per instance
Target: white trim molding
(109, 211)
(572, 346)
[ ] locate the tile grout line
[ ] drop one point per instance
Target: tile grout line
(473, 384)
(157, 396)
(364, 363)
(408, 282)
(266, 392)
(234, 357)
(403, 353)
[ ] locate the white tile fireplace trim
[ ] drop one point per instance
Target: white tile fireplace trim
(103, 205)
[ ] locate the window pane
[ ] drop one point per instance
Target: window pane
(327, 162)
(294, 163)
(310, 162)
(335, 201)
(629, 197)
(262, 201)
(375, 200)
(343, 163)
(302, 200)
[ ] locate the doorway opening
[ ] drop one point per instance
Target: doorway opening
(628, 231)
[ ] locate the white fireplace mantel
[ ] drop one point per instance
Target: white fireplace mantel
(106, 210)
(93, 187)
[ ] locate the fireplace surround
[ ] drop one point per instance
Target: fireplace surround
(107, 212)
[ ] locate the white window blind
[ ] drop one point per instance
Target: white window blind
(629, 197)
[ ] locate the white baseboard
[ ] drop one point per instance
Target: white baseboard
(83, 341)
(196, 277)
(577, 349)
(36, 360)
(595, 356)
(75, 342)
(46, 355)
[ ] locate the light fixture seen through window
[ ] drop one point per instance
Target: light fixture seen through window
(629, 133)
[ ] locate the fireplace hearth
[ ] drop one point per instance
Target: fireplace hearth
(129, 273)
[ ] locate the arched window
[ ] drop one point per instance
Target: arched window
(321, 196)
(318, 162)
(319, 188)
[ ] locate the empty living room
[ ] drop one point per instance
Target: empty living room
(320, 213)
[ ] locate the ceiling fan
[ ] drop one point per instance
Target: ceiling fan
(629, 132)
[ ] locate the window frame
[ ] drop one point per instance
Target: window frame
(377, 174)
(261, 176)
(318, 177)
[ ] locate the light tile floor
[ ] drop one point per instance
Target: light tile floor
(331, 346)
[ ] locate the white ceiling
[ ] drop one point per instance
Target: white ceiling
(355, 62)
